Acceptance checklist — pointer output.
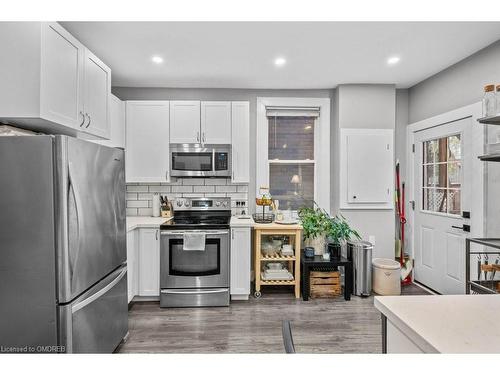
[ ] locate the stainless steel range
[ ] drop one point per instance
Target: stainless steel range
(194, 254)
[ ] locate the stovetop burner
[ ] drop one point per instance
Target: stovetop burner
(200, 213)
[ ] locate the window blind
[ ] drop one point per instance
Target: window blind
(292, 111)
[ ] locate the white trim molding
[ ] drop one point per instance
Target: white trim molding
(321, 144)
(478, 131)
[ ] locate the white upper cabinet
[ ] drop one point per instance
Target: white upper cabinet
(117, 123)
(97, 91)
(185, 121)
(50, 82)
(366, 169)
(240, 141)
(61, 79)
(147, 141)
(216, 122)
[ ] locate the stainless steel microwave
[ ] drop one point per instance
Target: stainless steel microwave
(196, 160)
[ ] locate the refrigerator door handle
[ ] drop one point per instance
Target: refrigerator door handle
(76, 197)
(93, 297)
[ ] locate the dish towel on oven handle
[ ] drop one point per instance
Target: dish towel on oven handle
(194, 241)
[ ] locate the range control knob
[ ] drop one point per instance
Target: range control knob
(179, 203)
(186, 203)
(224, 204)
(217, 203)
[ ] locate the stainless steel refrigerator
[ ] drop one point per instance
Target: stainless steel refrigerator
(63, 281)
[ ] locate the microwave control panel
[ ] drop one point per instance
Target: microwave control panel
(221, 161)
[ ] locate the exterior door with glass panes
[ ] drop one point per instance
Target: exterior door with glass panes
(442, 193)
(291, 158)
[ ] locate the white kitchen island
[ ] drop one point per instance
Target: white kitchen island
(440, 324)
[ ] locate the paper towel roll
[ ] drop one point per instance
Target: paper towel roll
(156, 204)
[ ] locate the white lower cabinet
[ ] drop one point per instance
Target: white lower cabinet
(240, 263)
(149, 262)
(132, 265)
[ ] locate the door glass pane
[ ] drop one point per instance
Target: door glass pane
(442, 174)
(434, 200)
(291, 138)
(454, 201)
(292, 185)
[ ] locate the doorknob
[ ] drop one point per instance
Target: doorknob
(464, 227)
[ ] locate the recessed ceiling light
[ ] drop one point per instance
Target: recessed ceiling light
(157, 59)
(280, 61)
(393, 60)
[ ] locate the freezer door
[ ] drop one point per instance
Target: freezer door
(97, 321)
(91, 226)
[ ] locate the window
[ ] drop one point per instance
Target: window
(293, 151)
(291, 160)
(442, 175)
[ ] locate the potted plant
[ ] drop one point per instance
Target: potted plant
(339, 231)
(316, 225)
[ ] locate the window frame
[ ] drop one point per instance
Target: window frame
(322, 154)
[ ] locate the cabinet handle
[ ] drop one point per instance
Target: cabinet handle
(86, 114)
(83, 121)
(204, 138)
(198, 137)
(232, 234)
(156, 235)
(166, 175)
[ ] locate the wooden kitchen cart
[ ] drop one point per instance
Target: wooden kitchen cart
(294, 233)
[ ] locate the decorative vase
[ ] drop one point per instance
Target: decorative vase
(335, 250)
(318, 243)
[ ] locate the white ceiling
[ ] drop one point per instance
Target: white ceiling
(241, 55)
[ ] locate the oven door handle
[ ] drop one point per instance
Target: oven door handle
(181, 233)
(197, 291)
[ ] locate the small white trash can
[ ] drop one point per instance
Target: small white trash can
(386, 277)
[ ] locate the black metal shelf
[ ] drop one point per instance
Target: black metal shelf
(490, 120)
(490, 242)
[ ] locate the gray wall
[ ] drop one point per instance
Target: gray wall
(457, 86)
(402, 121)
(141, 93)
(367, 106)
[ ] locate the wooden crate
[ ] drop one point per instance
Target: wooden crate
(325, 284)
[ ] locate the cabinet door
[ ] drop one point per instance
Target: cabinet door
(240, 261)
(97, 91)
(132, 262)
(185, 121)
(61, 80)
(149, 262)
(240, 141)
(216, 122)
(147, 141)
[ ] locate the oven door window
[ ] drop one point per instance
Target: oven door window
(192, 161)
(194, 263)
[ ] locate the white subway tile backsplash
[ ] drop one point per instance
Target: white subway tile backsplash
(242, 188)
(131, 211)
(182, 189)
(193, 181)
(145, 196)
(216, 181)
(137, 204)
(139, 195)
(137, 188)
(204, 189)
(145, 212)
(225, 189)
(160, 189)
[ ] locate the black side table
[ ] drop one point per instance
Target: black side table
(319, 264)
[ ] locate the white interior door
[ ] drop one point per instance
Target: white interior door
(443, 181)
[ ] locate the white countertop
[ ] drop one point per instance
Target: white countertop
(237, 222)
(446, 324)
(134, 222)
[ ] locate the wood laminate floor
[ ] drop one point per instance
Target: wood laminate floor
(254, 326)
